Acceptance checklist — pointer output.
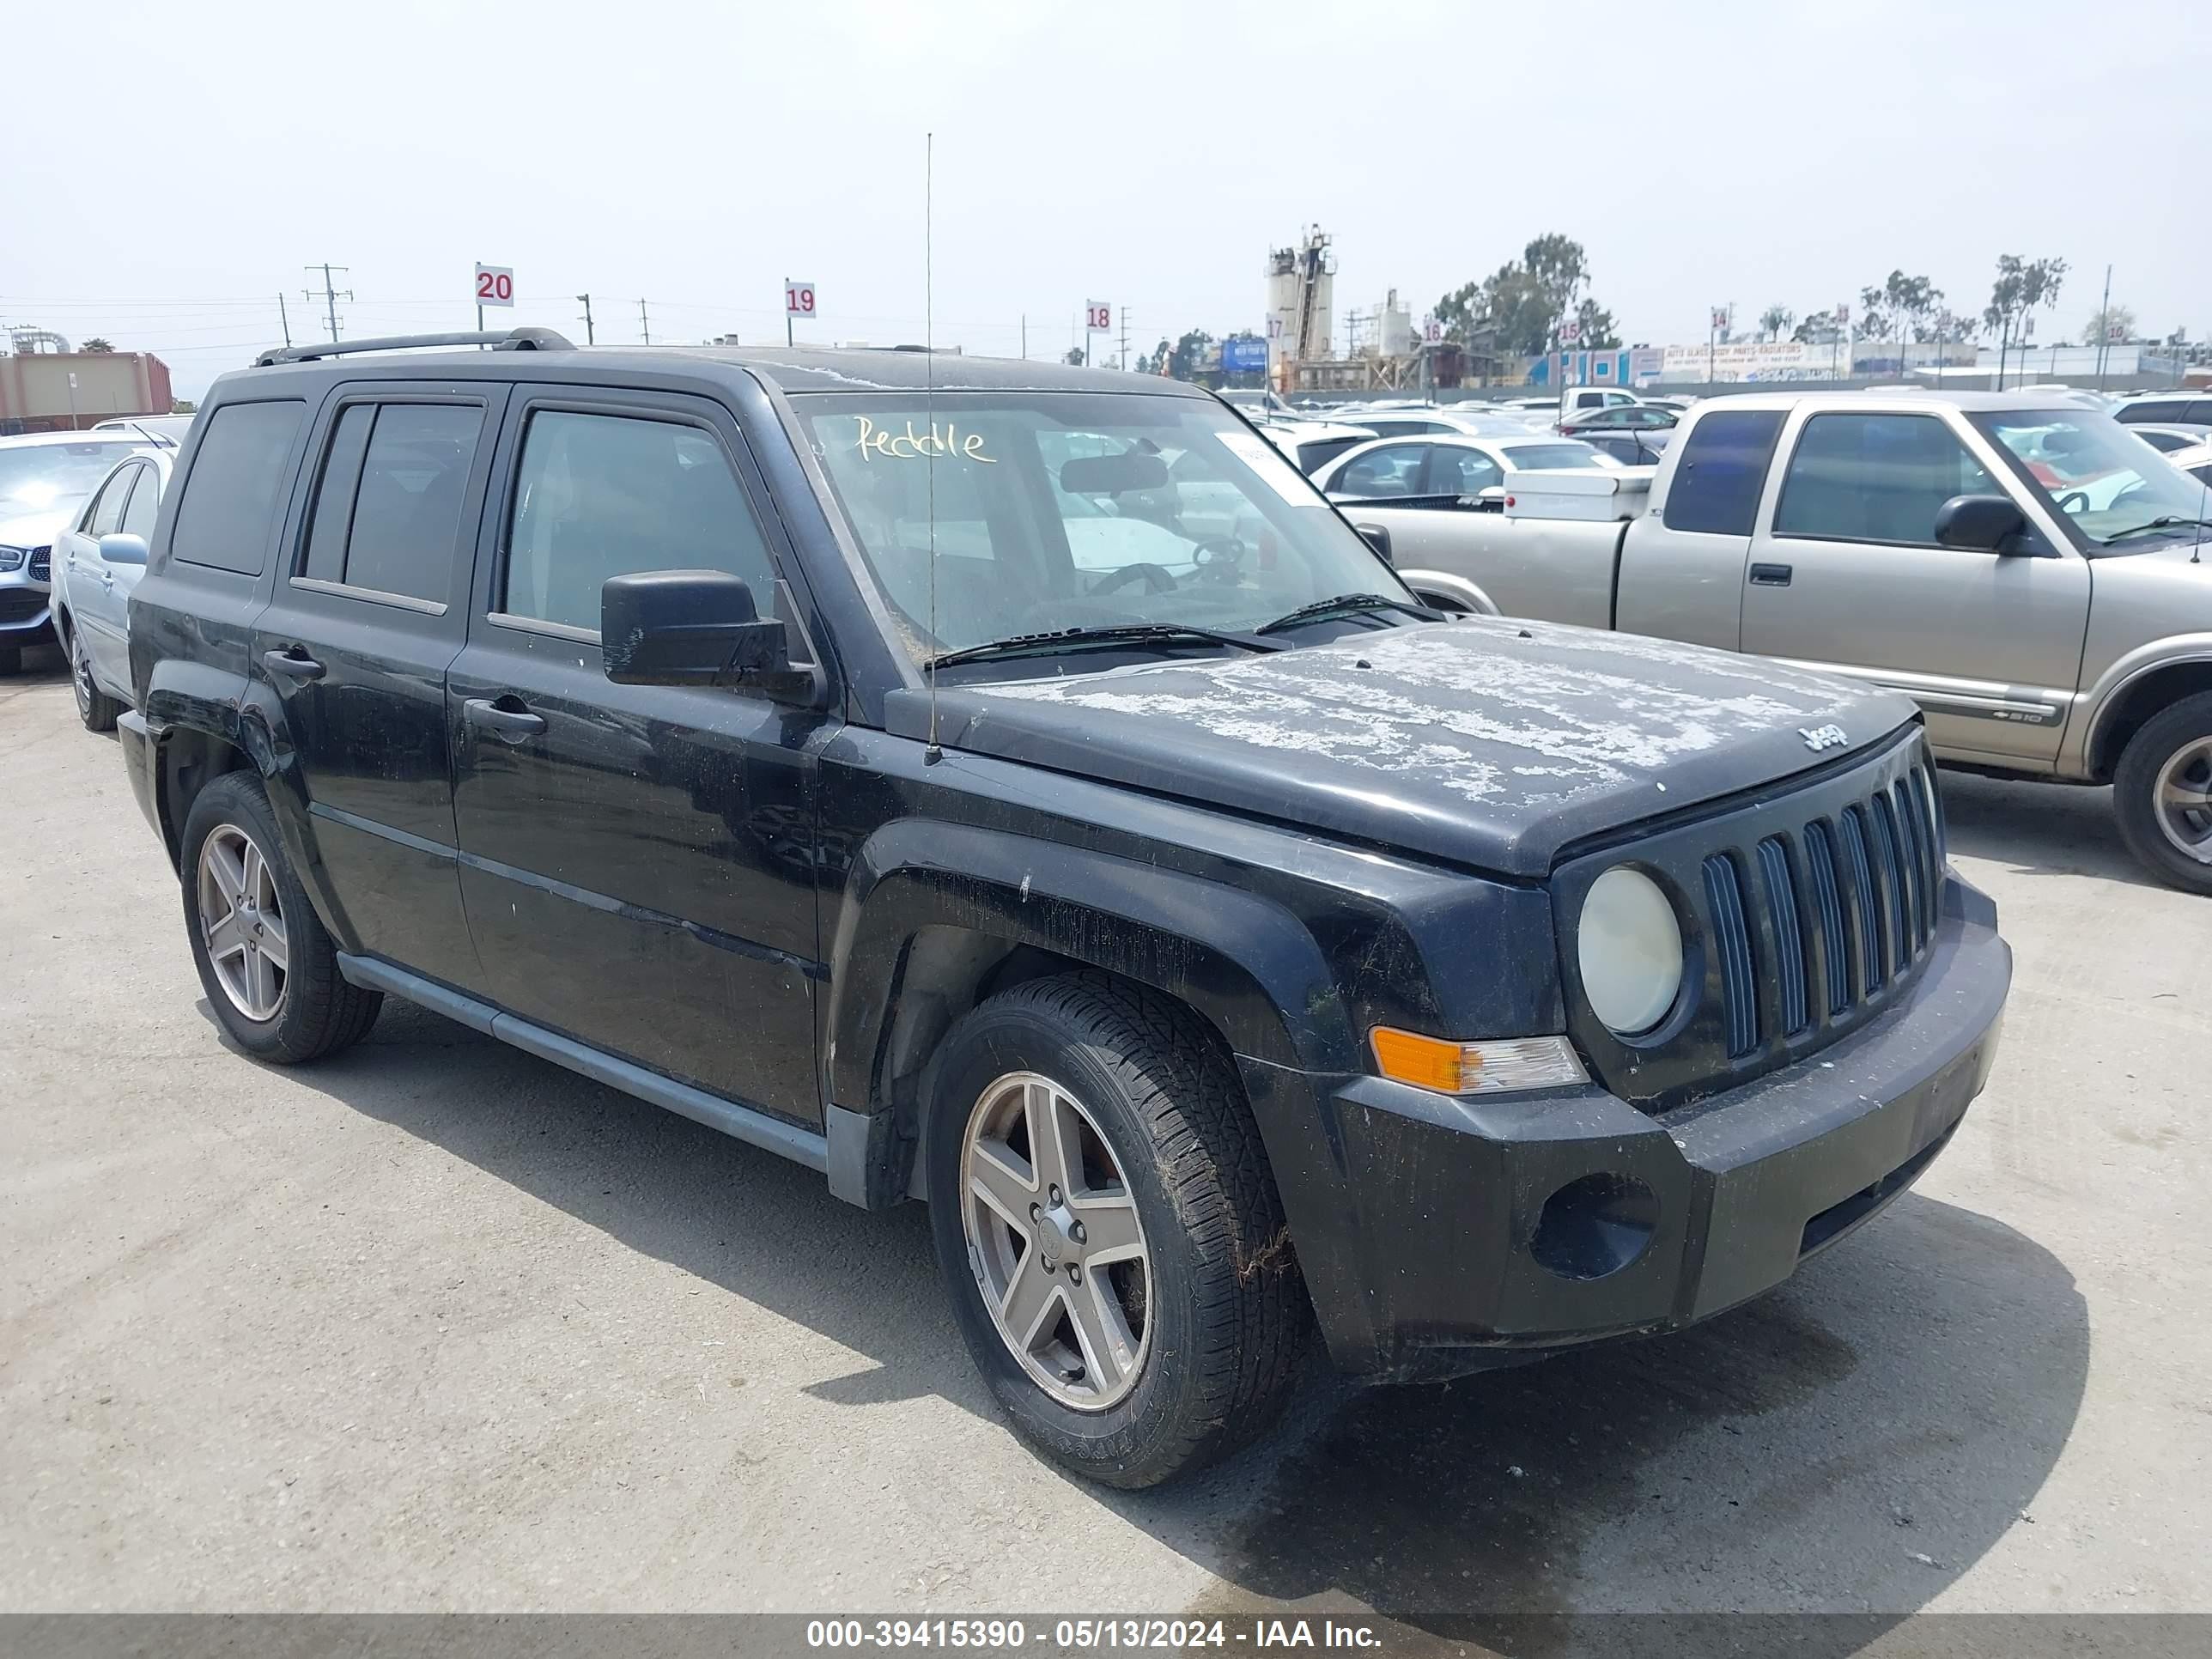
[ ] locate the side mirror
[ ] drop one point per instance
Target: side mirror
(116, 548)
(1376, 538)
(695, 628)
(1980, 524)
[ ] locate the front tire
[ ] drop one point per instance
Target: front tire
(2162, 794)
(265, 960)
(1109, 1229)
(94, 706)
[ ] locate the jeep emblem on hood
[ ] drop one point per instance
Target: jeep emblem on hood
(1818, 737)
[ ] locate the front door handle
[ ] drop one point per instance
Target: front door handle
(1771, 576)
(292, 663)
(508, 719)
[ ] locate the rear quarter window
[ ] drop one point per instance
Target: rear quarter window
(1721, 469)
(227, 514)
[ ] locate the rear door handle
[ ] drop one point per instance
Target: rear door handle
(1771, 576)
(506, 719)
(292, 663)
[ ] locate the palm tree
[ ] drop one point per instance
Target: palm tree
(96, 344)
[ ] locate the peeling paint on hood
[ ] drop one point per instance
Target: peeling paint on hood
(1486, 741)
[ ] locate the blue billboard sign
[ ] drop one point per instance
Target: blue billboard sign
(1245, 356)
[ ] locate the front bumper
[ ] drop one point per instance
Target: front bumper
(27, 614)
(1439, 1236)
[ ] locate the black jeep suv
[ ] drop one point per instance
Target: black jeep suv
(1016, 787)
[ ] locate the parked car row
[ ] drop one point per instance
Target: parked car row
(45, 479)
(2028, 571)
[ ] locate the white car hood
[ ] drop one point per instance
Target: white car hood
(33, 529)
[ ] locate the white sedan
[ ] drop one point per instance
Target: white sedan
(1450, 466)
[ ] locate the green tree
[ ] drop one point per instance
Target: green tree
(1183, 361)
(1903, 308)
(2120, 317)
(1821, 328)
(1599, 333)
(1774, 319)
(2021, 286)
(1075, 358)
(96, 344)
(183, 406)
(1521, 303)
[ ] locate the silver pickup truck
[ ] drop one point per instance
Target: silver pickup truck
(2033, 575)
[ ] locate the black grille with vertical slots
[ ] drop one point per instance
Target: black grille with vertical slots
(1789, 964)
(1805, 914)
(1732, 943)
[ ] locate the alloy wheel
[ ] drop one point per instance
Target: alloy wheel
(242, 922)
(2183, 797)
(81, 680)
(1052, 1235)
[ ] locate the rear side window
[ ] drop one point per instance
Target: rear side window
(387, 516)
(1723, 466)
(229, 505)
(2171, 410)
(601, 495)
(2198, 413)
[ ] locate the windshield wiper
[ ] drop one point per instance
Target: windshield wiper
(1037, 644)
(2169, 521)
(1344, 605)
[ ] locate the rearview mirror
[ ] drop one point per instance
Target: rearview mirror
(1980, 524)
(116, 548)
(1376, 538)
(1111, 475)
(695, 628)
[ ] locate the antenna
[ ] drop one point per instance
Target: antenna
(932, 754)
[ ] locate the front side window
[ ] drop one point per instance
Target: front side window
(2107, 488)
(1721, 471)
(228, 509)
(1875, 478)
(1050, 511)
(105, 515)
(600, 495)
(139, 518)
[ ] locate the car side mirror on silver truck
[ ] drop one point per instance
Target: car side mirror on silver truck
(116, 548)
(695, 628)
(1376, 538)
(1982, 523)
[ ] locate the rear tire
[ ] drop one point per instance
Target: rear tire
(94, 706)
(265, 960)
(2162, 793)
(1212, 1304)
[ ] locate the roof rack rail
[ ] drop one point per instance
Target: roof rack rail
(515, 339)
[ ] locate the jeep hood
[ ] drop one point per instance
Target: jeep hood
(1488, 742)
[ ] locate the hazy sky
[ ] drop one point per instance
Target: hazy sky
(173, 167)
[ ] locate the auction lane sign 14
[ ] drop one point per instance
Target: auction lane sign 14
(496, 286)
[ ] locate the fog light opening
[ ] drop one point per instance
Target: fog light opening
(1596, 1226)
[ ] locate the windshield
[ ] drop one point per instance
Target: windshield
(54, 478)
(2104, 481)
(1062, 510)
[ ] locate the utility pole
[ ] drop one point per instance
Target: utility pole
(589, 337)
(330, 295)
(1125, 339)
(284, 317)
(2104, 330)
(644, 322)
(1025, 337)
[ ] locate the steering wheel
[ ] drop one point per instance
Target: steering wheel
(1218, 558)
(1157, 579)
(2074, 500)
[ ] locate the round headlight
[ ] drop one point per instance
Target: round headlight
(1630, 948)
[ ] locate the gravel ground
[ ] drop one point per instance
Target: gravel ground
(437, 1326)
